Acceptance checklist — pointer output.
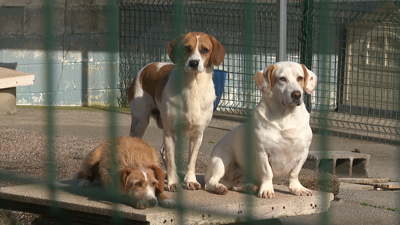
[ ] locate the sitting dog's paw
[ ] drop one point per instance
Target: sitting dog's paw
(301, 191)
(85, 183)
(174, 187)
(266, 193)
(193, 185)
(221, 189)
(168, 203)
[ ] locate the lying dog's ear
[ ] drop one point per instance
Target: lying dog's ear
(123, 174)
(310, 79)
(173, 49)
(263, 79)
(160, 176)
(218, 52)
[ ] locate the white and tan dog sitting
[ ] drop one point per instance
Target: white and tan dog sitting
(140, 179)
(280, 138)
(155, 92)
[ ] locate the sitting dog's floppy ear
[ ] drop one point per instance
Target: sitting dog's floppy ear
(310, 79)
(173, 49)
(218, 52)
(123, 174)
(160, 176)
(263, 79)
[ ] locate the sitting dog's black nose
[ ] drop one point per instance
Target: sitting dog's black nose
(194, 64)
(296, 95)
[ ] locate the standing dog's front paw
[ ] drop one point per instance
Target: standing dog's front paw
(193, 185)
(301, 191)
(174, 187)
(266, 193)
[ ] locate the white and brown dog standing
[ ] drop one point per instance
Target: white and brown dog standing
(155, 92)
(137, 170)
(281, 136)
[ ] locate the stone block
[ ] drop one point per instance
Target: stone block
(339, 163)
(40, 85)
(91, 20)
(30, 50)
(35, 21)
(100, 77)
(12, 21)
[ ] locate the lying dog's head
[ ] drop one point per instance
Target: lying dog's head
(140, 185)
(286, 81)
(196, 51)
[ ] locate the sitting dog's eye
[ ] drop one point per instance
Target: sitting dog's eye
(139, 184)
(204, 51)
(299, 78)
(282, 79)
(154, 184)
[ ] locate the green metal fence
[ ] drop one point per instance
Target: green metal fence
(360, 45)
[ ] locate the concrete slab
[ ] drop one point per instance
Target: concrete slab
(364, 180)
(12, 78)
(9, 80)
(339, 163)
(200, 207)
(388, 185)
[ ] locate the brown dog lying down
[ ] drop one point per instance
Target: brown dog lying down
(137, 169)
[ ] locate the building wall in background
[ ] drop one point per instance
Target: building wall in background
(81, 65)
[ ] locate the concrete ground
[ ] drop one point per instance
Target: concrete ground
(351, 207)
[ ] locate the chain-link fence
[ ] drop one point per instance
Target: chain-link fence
(362, 55)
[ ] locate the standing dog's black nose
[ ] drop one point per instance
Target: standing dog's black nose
(296, 95)
(194, 64)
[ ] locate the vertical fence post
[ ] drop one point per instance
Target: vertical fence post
(306, 40)
(179, 25)
(324, 57)
(281, 33)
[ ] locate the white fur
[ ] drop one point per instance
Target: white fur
(281, 136)
(192, 108)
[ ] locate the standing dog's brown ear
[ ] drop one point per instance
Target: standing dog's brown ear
(218, 52)
(264, 79)
(160, 176)
(123, 174)
(173, 49)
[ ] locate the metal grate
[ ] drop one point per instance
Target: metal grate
(361, 55)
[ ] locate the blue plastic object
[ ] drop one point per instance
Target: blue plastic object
(219, 83)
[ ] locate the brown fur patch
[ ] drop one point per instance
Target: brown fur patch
(272, 75)
(153, 80)
(305, 75)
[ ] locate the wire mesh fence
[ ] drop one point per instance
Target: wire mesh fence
(362, 55)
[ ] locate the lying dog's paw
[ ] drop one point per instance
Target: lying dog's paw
(301, 191)
(266, 193)
(85, 183)
(168, 203)
(193, 186)
(221, 189)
